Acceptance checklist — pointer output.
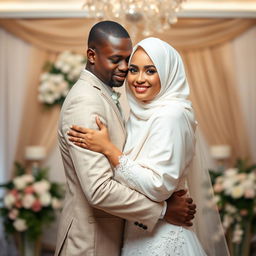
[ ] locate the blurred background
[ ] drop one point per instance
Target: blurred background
(42, 49)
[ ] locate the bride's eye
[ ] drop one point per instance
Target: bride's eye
(132, 70)
(151, 71)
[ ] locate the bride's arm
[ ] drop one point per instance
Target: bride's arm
(158, 175)
(95, 140)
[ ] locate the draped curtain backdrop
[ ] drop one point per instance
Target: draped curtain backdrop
(206, 50)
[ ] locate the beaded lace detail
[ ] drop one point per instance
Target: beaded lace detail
(168, 244)
(122, 171)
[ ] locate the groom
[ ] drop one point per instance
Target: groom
(92, 220)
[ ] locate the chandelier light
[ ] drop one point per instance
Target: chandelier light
(149, 15)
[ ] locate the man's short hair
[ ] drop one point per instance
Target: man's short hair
(100, 31)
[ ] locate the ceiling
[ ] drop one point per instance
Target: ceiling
(73, 8)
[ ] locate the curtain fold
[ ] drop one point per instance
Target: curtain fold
(39, 124)
(56, 35)
(203, 43)
(214, 98)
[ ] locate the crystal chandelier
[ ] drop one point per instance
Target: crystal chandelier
(149, 15)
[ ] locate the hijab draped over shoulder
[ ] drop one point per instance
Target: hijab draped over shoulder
(161, 137)
(169, 106)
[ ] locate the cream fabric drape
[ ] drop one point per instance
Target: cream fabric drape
(244, 49)
(39, 124)
(13, 74)
(214, 97)
(203, 44)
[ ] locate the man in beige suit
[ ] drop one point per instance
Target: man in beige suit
(92, 220)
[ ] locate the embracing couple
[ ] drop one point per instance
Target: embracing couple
(136, 171)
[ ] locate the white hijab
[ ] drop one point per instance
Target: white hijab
(172, 96)
(172, 99)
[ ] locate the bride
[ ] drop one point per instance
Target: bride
(159, 152)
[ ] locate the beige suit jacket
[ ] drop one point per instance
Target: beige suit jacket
(91, 222)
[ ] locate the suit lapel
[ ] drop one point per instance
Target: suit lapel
(97, 84)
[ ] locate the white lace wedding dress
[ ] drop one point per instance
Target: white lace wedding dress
(166, 239)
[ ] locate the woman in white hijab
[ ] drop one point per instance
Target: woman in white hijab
(159, 150)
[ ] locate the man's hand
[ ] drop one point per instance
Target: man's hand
(180, 210)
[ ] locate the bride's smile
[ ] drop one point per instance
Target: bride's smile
(143, 79)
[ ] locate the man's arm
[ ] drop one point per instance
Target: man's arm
(96, 177)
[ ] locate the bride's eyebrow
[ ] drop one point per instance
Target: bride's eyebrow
(149, 66)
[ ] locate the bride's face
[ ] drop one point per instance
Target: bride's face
(143, 79)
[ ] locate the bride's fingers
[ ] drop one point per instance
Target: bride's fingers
(79, 129)
(99, 123)
(76, 139)
(76, 134)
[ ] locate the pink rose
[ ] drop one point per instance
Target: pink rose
(29, 190)
(18, 204)
(13, 214)
(218, 187)
(14, 192)
(37, 206)
(243, 212)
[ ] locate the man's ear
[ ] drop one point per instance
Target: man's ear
(91, 55)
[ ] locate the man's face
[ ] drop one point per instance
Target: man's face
(111, 61)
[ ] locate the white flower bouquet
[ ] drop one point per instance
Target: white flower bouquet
(59, 77)
(235, 190)
(30, 202)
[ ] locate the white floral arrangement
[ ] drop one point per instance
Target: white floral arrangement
(235, 191)
(30, 202)
(59, 77)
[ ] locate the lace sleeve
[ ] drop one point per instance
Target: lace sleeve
(124, 172)
(142, 179)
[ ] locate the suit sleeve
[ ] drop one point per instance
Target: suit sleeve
(96, 176)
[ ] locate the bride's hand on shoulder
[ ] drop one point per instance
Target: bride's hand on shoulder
(94, 140)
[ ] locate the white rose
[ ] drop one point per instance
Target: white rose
(252, 176)
(227, 221)
(230, 172)
(49, 98)
(230, 208)
(9, 200)
(44, 87)
(28, 178)
(64, 55)
(28, 201)
(56, 203)
(237, 235)
(58, 78)
(62, 86)
(65, 68)
(237, 191)
(19, 182)
(216, 199)
(45, 199)
(228, 185)
(58, 64)
(41, 187)
(248, 184)
(13, 214)
(20, 225)
(70, 59)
